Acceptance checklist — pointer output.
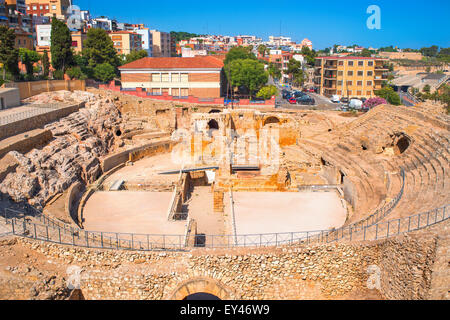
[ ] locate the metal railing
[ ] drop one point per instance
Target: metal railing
(51, 230)
(148, 242)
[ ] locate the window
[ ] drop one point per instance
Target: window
(339, 83)
(34, 8)
(175, 77)
(350, 73)
(350, 63)
(360, 73)
(340, 73)
(184, 77)
(369, 83)
(369, 93)
(341, 63)
(349, 92)
(46, 7)
(175, 92)
(156, 77)
(53, 7)
(359, 83)
(360, 63)
(370, 63)
(41, 7)
(349, 83)
(369, 73)
(358, 93)
(339, 92)
(184, 92)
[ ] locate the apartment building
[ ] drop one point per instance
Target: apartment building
(126, 41)
(147, 39)
(52, 8)
(17, 15)
(350, 76)
(161, 43)
(3, 13)
(178, 77)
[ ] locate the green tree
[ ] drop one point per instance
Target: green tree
(389, 95)
(295, 70)
(310, 56)
(76, 73)
(238, 53)
(267, 92)
(426, 88)
(135, 55)
(430, 51)
(29, 58)
(9, 56)
(274, 70)
(99, 49)
(262, 50)
(365, 53)
(61, 46)
(249, 73)
(104, 72)
(45, 64)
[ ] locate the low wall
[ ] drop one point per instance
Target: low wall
(24, 143)
(8, 164)
(32, 88)
(190, 99)
(38, 121)
(73, 196)
(135, 154)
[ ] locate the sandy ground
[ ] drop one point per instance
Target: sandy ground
(147, 170)
(131, 212)
(277, 212)
(200, 208)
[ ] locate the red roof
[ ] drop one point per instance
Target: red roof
(199, 62)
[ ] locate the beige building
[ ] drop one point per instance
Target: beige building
(161, 43)
(350, 76)
(126, 41)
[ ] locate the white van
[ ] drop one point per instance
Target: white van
(335, 98)
(355, 104)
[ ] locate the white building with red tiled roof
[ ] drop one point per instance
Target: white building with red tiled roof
(199, 76)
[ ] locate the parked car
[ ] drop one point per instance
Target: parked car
(286, 94)
(292, 100)
(335, 98)
(298, 94)
(311, 90)
(344, 100)
(306, 100)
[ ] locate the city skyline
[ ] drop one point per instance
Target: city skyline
(325, 25)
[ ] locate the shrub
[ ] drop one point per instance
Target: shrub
(58, 75)
(267, 92)
(373, 102)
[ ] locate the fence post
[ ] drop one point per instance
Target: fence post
(35, 233)
(101, 238)
(365, 227)
(59, 234)
(387, 233)
(12, 224)
(87, 238)
(117, 240)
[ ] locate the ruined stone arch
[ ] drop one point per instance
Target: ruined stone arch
(213, 124)
(272, 120)
(200, 285)
(214, 111)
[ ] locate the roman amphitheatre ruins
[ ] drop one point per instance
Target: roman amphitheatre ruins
(146, 199)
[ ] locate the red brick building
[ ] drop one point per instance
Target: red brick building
(200, 76)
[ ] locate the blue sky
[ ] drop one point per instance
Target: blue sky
(412, 24)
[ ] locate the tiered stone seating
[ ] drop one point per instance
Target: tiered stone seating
(425, 161)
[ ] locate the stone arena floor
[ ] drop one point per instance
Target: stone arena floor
(278, 212)
(131, 212)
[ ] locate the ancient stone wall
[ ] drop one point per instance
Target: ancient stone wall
(23, 143)
(311, 272)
